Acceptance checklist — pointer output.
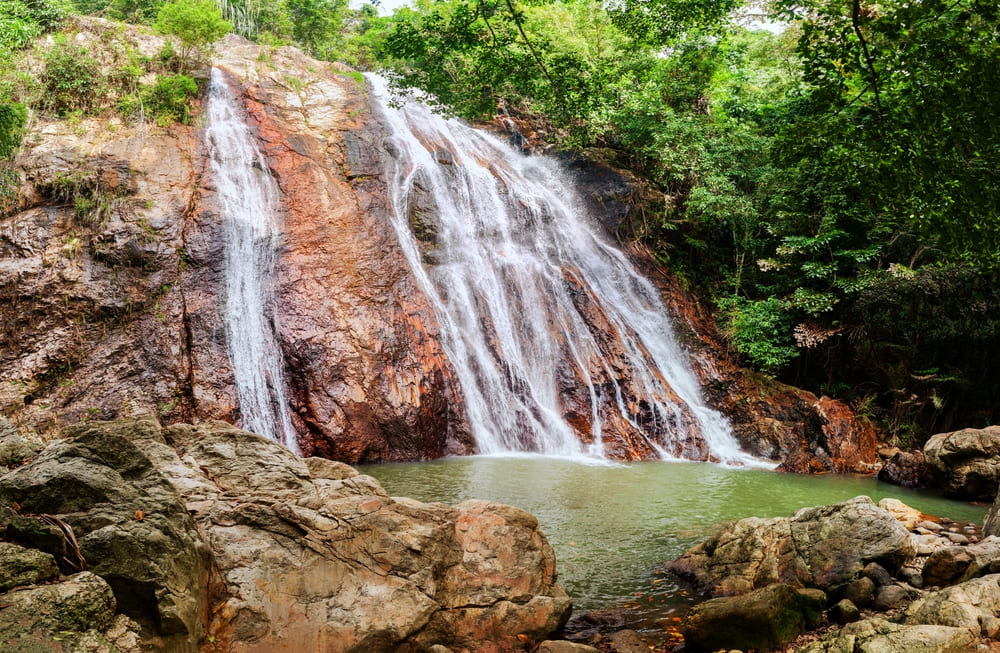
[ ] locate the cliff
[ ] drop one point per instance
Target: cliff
(112, 284)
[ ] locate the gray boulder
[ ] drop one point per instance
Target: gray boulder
(21, 566)
(765, 619)
(972, 605)
(132, 528)
(880, 636)
(825, 547)
(71, 615)
(966, 463)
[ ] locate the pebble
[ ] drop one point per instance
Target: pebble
(930, 526)
(958, 538)
(927, 544)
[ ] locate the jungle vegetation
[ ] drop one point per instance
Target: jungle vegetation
(832, 183)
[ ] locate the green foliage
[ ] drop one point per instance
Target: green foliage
(12, 120)
(21, 21)
(316, 24)
(71, 78)
(166, 101)
(196, 24)
(759, 331)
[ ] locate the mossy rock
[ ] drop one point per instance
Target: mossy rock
(765, 619)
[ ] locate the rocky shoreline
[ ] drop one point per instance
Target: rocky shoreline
(209, 538)
(127, 536)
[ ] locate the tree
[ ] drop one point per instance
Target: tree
(196, 24)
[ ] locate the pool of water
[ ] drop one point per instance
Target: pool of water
(611, 525)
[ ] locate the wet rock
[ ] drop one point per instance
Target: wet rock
(628, 641)
(880, 636)
(844, 612)
(906, 469)
(585, 624)
(824, 547)
(966, 605)
(764, 619)
(21, 566)
(966, 463)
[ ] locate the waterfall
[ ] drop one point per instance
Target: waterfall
(559, 345)
(248, 199)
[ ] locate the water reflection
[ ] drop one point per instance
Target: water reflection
(611, 525)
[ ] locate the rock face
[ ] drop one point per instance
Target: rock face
(305, 554)
(369, 378)
(111, 270)
(825, 547)
(966, 463)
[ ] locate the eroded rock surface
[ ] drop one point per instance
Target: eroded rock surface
(305, 554)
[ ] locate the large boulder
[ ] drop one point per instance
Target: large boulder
(955, 564)
(131, 526)
(966, 463)
(73, 615)
(767, 618)
(306, 554)
(824, 547)
(880, 636)
(972, 605)
(310, 562)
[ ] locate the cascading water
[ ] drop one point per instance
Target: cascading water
(533, 303)
(248, 198)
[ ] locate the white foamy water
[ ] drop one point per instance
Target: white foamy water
(529, 297)
(249, 201)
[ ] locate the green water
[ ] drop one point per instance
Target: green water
(612, 525)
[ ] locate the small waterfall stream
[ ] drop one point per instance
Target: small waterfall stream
(248, 199)
(535, 306)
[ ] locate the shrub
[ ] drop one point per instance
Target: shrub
(760, 331)
(196, 24)
(169, 99)
(12, 119)
(72, 79)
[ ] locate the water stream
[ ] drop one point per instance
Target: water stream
(560, 346)
(249, 200)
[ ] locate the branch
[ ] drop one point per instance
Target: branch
(855, 22)
(527, 42)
